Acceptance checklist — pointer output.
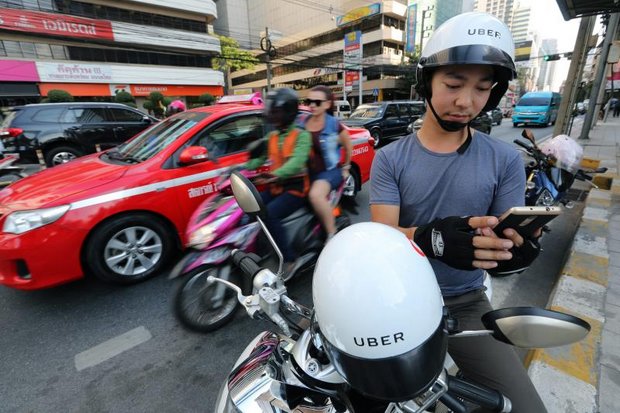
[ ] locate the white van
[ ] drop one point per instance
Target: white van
(342, 109)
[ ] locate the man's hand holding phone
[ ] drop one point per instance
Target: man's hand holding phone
(523, 226)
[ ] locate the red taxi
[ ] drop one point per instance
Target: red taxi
(120, 214)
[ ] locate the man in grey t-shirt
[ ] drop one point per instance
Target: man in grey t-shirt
(445, 185)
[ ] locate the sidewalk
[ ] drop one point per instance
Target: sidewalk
(585, 377)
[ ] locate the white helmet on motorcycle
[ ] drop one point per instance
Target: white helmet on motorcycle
(473, 38)
(379, 312)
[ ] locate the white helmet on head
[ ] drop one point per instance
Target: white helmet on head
(379, 312)
(470, 38)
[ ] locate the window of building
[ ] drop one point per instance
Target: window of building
(43, 50)
(59, 52)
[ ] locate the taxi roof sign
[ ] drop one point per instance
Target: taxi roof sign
(249, 99)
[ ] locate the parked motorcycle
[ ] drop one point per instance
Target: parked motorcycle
(304, 369)
(553, 169)
(9, 172)
(216, 228)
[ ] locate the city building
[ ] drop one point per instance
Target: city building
(547, 68)
(95, 48)
(308, 38)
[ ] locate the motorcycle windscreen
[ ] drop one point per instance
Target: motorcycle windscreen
(561, 178)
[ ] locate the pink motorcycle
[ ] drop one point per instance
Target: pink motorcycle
(219, 226)
(9, 172)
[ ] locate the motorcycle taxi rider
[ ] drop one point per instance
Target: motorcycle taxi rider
(288, 149)
(444, 185)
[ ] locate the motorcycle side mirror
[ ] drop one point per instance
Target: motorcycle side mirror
(251, 203)
(246, 194)
(532, 327)
(529, 135)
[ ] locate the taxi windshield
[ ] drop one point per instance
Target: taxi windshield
(154, 139)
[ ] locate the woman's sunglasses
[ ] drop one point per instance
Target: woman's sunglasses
(317, 102)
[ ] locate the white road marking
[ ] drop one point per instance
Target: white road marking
(111, 348)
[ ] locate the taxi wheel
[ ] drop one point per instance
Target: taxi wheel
(129, 249)
(376, 135)
(354, 184)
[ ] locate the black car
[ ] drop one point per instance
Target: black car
(496, 116)
(386, 119)
(65, 131)
(482, 122)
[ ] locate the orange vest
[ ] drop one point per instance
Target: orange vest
(298, 185)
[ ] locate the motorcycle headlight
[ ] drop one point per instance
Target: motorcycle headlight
(23, 221)
(545, 198)
(202, 237)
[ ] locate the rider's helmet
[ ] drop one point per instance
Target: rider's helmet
(281, 107)
(379, 312)
(474, 38)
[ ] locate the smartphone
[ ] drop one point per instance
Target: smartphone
(526, 220)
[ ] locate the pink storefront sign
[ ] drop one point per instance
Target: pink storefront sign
(18, 71)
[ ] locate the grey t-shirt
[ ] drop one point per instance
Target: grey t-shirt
(486, 179)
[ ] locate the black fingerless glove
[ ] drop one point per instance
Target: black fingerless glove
(522, 258)
(449, 240)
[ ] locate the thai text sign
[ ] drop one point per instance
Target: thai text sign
(54, 24)
(78, 73)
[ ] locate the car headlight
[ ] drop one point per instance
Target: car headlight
(23, 221)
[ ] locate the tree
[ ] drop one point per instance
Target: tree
(58, 95)
(206, 99)
(232, 58)
(125, 98)
(156, 104)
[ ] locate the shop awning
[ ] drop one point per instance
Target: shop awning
(577, 8)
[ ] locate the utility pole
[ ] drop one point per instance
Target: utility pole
(361, 67)
(423, 29)
(574, 74)
(270, 51)
(268, 59)
(600, 73)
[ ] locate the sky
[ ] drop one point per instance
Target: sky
(548, 21)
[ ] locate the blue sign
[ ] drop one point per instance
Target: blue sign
(375, 92)
(412, 12)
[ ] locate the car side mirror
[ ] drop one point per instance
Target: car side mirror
(146, 119)
(193, 155)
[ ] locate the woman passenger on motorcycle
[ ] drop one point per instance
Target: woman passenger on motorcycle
(328, 136)
(444, 186)
(288, 149)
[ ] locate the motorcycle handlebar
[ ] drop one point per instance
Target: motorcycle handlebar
(479, 394)
(523, 145)
(246, 262)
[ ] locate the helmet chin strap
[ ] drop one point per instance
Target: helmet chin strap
(448, 126)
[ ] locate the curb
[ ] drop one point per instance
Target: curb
(567, 378)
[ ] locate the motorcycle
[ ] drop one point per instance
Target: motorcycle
(216, 228)
(288, 371)
(549, 176)
(9, 172)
